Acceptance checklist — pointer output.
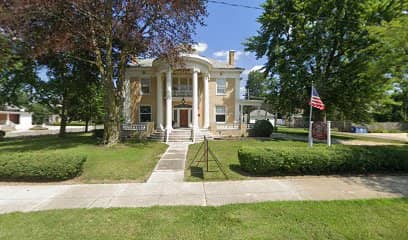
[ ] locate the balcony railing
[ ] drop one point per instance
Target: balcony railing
(182, 93)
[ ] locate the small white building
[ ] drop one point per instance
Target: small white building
(260, 114)
(14, 118)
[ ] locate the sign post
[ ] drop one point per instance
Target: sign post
(328, 133)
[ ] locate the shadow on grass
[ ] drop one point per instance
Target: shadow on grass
(36, 143)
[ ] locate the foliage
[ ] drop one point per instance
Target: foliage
(71, 90)
(262, 128)
(327, 42)
(124, 162)
(256, 84)
(2, 134)
(114, 31)
(392, 46)
(40, 167)
(316, 161)
(17, 72)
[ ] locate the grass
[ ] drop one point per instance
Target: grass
(227, 153)
(338, 135)
(357, 219)
(130, 161)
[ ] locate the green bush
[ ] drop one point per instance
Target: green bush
(98, 133)
(40, 167)
(2, 134)
(262, 128)
(320, 160)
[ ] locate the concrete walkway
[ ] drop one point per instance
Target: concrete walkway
(43, 197)
(170, 168)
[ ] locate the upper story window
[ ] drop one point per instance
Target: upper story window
(145, 113)
(221, 86)
(145, 88)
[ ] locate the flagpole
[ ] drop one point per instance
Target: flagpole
(310, 138)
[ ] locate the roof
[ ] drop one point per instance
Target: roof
(148, 62)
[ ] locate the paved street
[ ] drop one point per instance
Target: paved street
(46, 196)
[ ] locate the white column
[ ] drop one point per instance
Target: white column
(126, 103)
(195, 99)
(206, 101)
(237, 99)
(168, 100)
(159, 100)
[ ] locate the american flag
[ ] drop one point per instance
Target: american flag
(315, 101)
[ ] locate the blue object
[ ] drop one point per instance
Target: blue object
(359, 129)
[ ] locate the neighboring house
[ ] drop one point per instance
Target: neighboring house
(14, 118)
(54, 119)
(261, 115)
(197, 93)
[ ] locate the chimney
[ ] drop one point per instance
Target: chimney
(231, 57)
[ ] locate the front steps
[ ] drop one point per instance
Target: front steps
(180, 135)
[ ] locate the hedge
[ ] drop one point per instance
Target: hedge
(40, 167)
(321, 160)
(262, 128)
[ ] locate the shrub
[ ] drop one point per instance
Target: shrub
(98, 133)
(40, 167)
(262, 128)
(2, 134)
(319, 160)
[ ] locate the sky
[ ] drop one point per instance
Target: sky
(227, 28)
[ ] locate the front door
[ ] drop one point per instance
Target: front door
(183, 118)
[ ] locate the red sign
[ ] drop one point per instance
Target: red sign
(319, 130)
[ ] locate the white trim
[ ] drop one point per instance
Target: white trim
(141, 86)
(151, 112)
(216, 87)
(225, 113)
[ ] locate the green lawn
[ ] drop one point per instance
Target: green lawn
(359, 219)
(130, 161)
(227, 153)
(337, 135)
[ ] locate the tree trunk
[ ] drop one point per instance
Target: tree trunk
(63, 124)
(86, 124)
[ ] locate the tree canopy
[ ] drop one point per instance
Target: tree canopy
(113, 31)
(327, 42)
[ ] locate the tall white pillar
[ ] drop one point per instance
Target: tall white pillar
(159, 100)
(168, 100)
(237, 99)
(206, 101)
(195, 99)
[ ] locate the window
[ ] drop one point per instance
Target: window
(221, 86)
(145, 113)
(145, 86)
(220, 114)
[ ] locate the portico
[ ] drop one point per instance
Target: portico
(196, 93)
(184, 92)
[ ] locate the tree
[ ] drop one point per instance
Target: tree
(327, 42)
(392, 46)
(17, 72)
(69, 89)
(112, 30)
(256, 84)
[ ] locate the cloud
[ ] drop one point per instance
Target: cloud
(223, 55)
(200, 47)
(254, 68)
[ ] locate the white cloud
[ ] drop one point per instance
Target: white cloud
(223, 55)
(200, 47)
(254, 68)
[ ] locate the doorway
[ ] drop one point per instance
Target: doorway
(184, 118)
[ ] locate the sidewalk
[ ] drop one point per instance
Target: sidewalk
(43, 197)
